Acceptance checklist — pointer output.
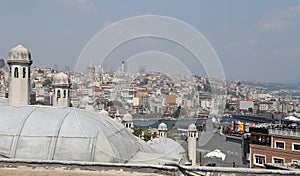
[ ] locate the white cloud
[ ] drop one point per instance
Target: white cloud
(279, 19)
(81, 5)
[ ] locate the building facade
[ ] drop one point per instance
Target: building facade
(274, 146)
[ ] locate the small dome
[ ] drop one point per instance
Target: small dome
(127, 118)
(170, 148)
(162, 127)
(19, 54)
(61, 79)
(192, 127)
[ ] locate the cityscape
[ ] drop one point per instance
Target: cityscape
(125, 110)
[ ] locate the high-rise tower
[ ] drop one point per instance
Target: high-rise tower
(91, 73)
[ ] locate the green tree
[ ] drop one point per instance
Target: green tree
(147, 133)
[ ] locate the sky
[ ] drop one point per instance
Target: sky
(255, 40)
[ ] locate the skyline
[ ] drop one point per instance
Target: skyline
(254, 41)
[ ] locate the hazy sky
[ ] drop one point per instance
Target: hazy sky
(254, 39)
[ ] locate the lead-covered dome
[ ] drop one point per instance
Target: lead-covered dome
(162, 127)
(127, 117)
(19, 54)
(192, 127)
(67, 134)
(61, 79)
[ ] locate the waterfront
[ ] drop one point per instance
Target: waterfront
(184, 123)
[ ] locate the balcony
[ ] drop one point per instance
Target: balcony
(285, 132)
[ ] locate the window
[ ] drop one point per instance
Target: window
(259, 160)
(261, 140)
(65, 93)
(295, 161)
(58, 94)
(296, 147)
(278, 160)
(279, 145)
(16, 73)
(24, 72)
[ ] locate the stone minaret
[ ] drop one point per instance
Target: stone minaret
(61, 85)
(192, 138)
(162, 132)
(19, 61)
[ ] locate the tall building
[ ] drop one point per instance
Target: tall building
(19, 61)
(124, 67)
(61, 85)
(91, 73)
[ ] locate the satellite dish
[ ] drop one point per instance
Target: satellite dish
(2, 63)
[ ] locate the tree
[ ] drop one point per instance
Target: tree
(177, 112)
(227, 106)
(147, 133)
(47, 82)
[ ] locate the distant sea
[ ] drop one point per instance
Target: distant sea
(294, 94)
(169, 123)
(182, 123)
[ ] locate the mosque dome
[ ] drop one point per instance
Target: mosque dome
(162, 127)
(168, 147)
(127, 118)
(61, 79)
(67, 134)
(19, 54)
(192, 127)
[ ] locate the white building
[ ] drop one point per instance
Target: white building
(246, 105)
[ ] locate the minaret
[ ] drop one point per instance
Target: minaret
(19, 61)
(162, 132)
(192, 138)
(61, 85)
(128, 122)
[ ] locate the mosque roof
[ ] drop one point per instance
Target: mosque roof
(68, 134)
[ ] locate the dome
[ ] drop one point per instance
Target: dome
(19, 54)
(67, 134)
(127, 118)
(61, 79)
(162, 127)
(192, 127)
(168, 147)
